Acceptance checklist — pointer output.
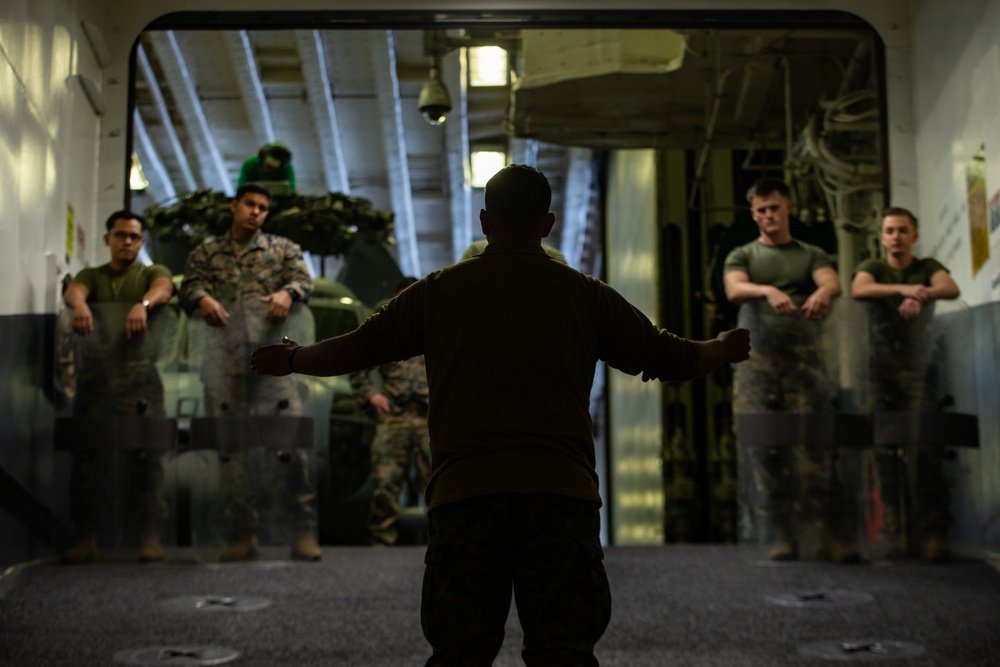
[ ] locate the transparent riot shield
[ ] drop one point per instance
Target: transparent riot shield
(795, 474)
(250, 469)
(118, 433)
(917, 381)
(343, 427)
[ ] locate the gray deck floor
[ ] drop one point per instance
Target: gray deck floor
(673, 605)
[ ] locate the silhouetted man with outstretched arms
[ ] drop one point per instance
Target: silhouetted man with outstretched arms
(511, 338)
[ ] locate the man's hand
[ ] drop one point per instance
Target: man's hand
(781, 303)
(737, 344)
(918, 293)
(278, 306)
(381, 403)
(911, 308)
(817, 306)
(135, 321)
(273, 359)
(83, 319)
(212, 312)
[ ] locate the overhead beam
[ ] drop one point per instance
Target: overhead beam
(167, 123)
(250, 85)
(319, 88)
(184, 91)
(383, 53)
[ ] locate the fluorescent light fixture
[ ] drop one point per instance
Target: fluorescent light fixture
(487, 66)
(484, 165)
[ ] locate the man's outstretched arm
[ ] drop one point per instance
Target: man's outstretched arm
(729, 347)
(333, 356)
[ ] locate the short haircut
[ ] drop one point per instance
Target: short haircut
(900, 211)
(518, 195)
(256, 188)
(125, 215)
(277, 151)
(767, 185)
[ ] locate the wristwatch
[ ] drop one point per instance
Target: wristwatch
(293, 293)
(145, 304)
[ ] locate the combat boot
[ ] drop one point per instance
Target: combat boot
(150, 548)
(243, 548)
(937, 548)
(304, 547)
(84, 550)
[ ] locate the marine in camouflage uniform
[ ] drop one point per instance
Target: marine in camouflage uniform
(785, 289)
(114, 312)
(401, 441)
(901, 290)
(795, 484)
(902, 381)
(239, 283)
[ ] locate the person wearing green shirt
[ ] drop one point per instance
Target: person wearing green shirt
(785, 288)
(123, 383)
(901, 287)
(272, 163)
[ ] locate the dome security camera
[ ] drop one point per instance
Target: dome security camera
(434, 102)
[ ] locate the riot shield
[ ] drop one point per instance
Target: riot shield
(250, 469)
(344, 429)
(794, 476)
(919, 387)
(118, 433)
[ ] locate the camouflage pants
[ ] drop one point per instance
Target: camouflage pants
(108, 390)
(910, 476)
(240, 394)
(793, 484)
(142, 488)
(545, 549)
(400, 441)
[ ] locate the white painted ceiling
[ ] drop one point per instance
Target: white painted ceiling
(344, 100)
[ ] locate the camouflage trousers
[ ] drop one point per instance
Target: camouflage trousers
(545, 549)
(911, 479)
(140, 490)
(911, 484)
(248, 481)
(794, 484)
(132, 388)
(400, 441)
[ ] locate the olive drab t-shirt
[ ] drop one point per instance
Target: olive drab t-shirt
(919, 272)
(789, 266)
(105, 285)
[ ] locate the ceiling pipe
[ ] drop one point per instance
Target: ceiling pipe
(720, 83)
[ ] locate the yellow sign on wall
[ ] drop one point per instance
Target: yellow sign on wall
(70, 230)
(979, 231)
